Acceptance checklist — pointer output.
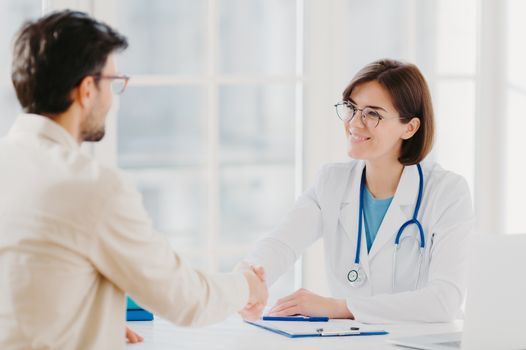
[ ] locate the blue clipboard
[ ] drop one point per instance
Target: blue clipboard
(332, 328)
(135, 312)
(138, 315)
(296, 318)
(132, 305)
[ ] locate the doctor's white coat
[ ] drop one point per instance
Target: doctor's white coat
(329, 210)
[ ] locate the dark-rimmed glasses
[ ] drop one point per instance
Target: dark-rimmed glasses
(118, 84)
(370, 117)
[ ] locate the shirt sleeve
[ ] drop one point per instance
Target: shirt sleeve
(441, 297)
(302, 226)
(141, 262)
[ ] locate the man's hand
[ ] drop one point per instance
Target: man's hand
(258, 293)
(304, 302)
(133, 337)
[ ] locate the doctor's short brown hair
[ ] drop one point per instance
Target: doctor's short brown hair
(410, 96)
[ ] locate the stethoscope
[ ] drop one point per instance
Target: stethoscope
(356, 275)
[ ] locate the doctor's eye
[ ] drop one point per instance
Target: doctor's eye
(345, 110)
(370, 113)
(371, 118)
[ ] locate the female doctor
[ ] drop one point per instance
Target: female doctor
(396, 228)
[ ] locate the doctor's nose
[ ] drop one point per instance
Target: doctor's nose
(356, 121)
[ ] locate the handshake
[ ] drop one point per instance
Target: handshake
(258, 291)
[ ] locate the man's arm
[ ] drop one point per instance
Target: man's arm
(141, 262)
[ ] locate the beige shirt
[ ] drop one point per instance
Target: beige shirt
(74, 237)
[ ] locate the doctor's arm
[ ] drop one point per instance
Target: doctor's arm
(278, 251)
(442, 295)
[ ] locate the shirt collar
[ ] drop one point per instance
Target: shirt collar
(406, 191)
(44, 127)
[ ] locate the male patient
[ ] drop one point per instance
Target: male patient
(74, 235)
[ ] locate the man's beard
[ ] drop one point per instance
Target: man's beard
(90, 131)
(94, 135)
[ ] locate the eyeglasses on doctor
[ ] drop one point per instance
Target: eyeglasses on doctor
(118, 82)
(346, 111)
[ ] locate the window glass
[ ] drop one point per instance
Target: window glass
(165, 36)
(257, 36)
(13, 13)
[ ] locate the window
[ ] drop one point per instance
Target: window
(216, 132)
(514, 108)
(12, 14)
(454, 86)
(208, 124)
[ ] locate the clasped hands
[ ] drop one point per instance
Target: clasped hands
(257, 292)
(302, 302)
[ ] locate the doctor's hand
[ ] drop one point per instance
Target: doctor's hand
(133, 337)
(306, 303)
(258, 293)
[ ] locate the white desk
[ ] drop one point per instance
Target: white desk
(235, 334)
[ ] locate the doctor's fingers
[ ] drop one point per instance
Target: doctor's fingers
(296, 295)
(286, 309)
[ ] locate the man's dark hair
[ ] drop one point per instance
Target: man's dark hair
(53, 54)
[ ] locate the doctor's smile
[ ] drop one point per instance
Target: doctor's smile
(358, 139)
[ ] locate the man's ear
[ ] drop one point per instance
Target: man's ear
(411, 128)
(85, 92)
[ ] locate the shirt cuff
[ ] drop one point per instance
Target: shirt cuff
(353, 306)
(239, 288)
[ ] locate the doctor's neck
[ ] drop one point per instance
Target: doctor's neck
(382, 177)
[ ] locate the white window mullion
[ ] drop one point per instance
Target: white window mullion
(58, 5)
(106, 150)
(324, 28)
(490, 160)
(298, 147)
(174, 80)
(212, 125)
(298, 157)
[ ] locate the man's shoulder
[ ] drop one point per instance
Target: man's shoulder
(89, 178)
(106, 178)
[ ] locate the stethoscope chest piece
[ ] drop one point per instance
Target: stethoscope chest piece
(356, 276)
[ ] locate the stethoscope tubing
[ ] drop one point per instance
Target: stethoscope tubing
(413, 221)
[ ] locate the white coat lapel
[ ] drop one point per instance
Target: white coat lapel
(400, 210)
(349, 216)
